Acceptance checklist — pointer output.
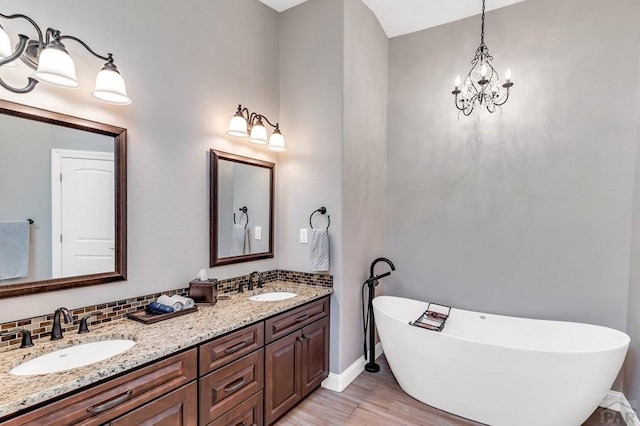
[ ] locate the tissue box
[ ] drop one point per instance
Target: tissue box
(204, 293)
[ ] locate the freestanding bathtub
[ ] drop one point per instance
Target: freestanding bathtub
(498, 370)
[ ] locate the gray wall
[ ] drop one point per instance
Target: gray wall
(311, 78)
(186, 69)
(366, 57)
(526, 212)
(333, 93)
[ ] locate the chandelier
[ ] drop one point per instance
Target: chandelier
(481, 87)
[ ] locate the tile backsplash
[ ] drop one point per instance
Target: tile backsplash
(40, 326)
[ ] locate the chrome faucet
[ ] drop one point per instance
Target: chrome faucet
(260, 280)
(56, 330)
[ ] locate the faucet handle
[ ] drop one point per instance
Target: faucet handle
(84, 326)
(26, 336)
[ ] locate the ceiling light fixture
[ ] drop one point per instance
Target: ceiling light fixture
(481, 86)
(244, 122)
(53, 64)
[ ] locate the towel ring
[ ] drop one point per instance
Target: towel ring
(30, 221)
(244, 210)
(321, 210)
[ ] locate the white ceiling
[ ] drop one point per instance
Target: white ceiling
(399, 17)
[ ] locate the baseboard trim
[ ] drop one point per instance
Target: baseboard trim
(339, 382)
(616, 401)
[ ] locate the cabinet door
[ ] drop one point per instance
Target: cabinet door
(178, 408)
(247, 413)
(282, 376)
(315, 355)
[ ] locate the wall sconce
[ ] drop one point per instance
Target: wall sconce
(243, 121)
(53, 64)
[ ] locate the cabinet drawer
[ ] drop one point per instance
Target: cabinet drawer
(234, 346)
(109, 400)
(177, 408)
(225, 388)
(287, 322)
(248, 413)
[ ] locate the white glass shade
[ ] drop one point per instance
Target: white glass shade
(238, 126)
(5, 48)
(258, 134)
(56, 67)
(276, 142)
(110, 87)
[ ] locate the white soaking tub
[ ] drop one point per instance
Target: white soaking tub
(499, 370)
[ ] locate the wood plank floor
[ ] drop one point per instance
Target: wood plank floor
(376, 399)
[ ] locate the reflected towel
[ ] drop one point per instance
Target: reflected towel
(240, 240)
(319, 250)
(14, 249)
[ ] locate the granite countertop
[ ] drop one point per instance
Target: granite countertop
(153, 341)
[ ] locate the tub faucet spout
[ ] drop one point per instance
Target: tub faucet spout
(373, 265)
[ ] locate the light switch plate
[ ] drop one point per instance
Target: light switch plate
(304, 236)
(258, 232)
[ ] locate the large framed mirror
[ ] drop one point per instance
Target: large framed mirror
(241, 209)
(63, 198)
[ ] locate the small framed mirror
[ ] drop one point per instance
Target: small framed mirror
(63, 219)
(241, 209)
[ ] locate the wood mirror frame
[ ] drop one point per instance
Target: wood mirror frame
(214, 254)
(120, 203)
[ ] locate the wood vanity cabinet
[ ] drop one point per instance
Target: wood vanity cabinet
(250, 377)
(104, 403)
(298, 362)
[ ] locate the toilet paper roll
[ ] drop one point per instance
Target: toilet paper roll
(170, 301)
(186, 302)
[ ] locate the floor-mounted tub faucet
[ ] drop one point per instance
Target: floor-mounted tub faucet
(368, 319)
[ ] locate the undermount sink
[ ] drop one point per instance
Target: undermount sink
(72, 357)
(272, 297)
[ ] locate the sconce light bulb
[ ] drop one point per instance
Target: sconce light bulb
(258, 133)
(56, 67)
(276, 141)
(110, 86)
(5, 48)
(238, 126)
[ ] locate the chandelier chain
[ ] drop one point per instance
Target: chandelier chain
(482, 28)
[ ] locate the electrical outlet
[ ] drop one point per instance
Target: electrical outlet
(304, 236)
(258, 232)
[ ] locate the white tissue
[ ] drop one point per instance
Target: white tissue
(202, 275)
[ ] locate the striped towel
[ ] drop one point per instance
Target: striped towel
(14, 249)
(319, 250)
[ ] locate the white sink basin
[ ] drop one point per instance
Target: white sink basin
(72, 357)
(272, 297)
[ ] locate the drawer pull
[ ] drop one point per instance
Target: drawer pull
(238, 384)
(302, 318)
(235, 348)
(110, 404)
(242, 424)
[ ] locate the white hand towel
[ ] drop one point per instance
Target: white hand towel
(14, 249)
(240, 240)
(187, 302)
(319, 250)
(169, 301)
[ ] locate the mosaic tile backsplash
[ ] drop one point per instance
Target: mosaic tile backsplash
(40, 326)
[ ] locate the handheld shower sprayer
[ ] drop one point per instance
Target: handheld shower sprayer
(367, 319)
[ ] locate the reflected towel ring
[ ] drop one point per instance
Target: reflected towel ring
(244, 210)
(321, 210)
(30, 221)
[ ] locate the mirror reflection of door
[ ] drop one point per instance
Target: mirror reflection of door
(83, 240)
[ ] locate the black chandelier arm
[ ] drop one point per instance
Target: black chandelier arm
(108, 58)
(506, 98)
(26, 18)
(275, 126)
